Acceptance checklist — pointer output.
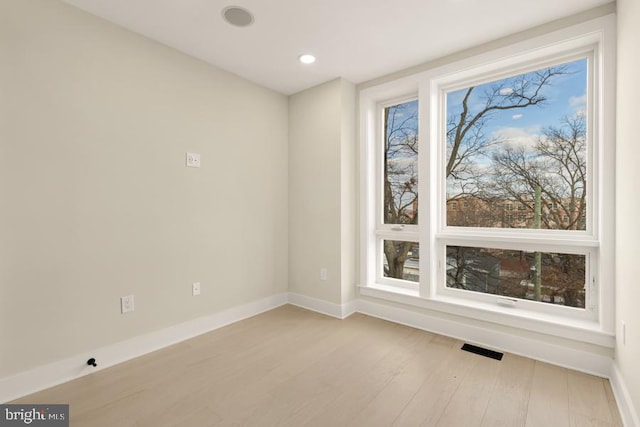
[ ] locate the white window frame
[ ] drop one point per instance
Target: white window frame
(559, 241)
(398, 232)
(595, 39)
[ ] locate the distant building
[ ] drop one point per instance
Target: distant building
(472, 211)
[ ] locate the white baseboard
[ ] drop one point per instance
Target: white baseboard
(341, 311)
(535, 349)
(628, 411)
(70, 368)
(74, 367)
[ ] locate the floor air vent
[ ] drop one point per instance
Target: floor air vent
(483, 351)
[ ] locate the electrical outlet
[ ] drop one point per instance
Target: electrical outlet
(127, 304)
(195, 289)
(193, 160)
(323, 274)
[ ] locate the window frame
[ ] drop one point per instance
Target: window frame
(544, 240)
(383, 231)
(596, 242)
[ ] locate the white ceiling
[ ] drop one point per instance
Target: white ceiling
(355, 39)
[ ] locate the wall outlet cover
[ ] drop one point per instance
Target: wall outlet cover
(193, 160)
(127, 304)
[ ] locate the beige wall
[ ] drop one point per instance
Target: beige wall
(321, 180)
(627, 202)
(348, 191)
(96, 203)
(95, 199)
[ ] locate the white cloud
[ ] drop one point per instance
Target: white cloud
(506, 91)
(403, 163)
(579, 104)
(578, 101)
(516, 116)
(517, 136)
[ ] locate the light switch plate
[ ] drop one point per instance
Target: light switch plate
(193, 160)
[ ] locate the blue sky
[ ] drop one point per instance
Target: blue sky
(566, 96)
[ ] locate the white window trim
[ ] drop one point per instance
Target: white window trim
(398, 232)
(575, 242)
(597, 242)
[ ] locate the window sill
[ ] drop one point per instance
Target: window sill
(575, 330)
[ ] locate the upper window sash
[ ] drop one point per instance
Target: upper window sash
(451, 213)
(396, 171)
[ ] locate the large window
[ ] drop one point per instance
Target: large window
(485, 182)
(400, 185)
(520, 143)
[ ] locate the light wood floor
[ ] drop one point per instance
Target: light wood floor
(292, 367)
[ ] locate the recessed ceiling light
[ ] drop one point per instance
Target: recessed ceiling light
(307, 58)
(238, 16)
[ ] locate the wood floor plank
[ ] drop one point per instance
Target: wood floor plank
(580, 420)
(431, 400)
(364, 382)
(549, 399)
(469, 402)
(387, 406)
(184, 413)
(510, 398)
(293, 367)
(240, 397)
(297, 401)
(120, 412)
(588, 398)
(613, 406)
